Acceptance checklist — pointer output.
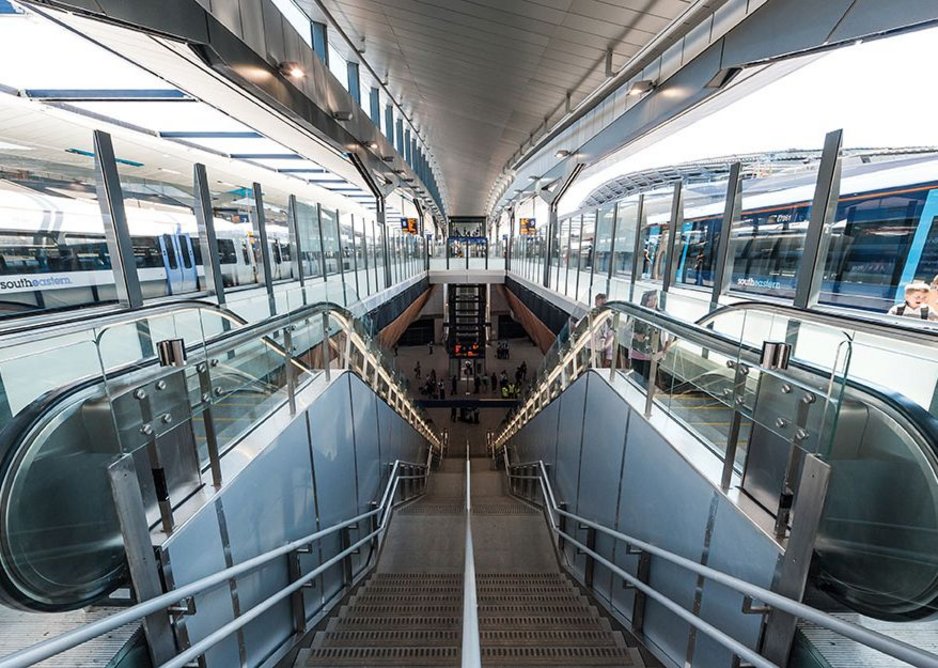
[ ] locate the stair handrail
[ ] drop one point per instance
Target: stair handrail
(864, 636)
(471, 648)
(66, 641)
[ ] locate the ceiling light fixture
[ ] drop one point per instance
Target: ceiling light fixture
(641, 87)
(342, 115)
(562, 153)
(291, 69)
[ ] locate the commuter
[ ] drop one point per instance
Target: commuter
(916, 303)
(442, 390)
(933, 294)
(477, 383)
(494, 382)
(430, 345)
(454, 384)
(524, 371)
(503, 380)
(643, 345)
(452, 414)
(417, 370)
(601, 341)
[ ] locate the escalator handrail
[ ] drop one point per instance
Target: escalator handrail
(49, 648)
(846, 320)
(91, 321)
(867, 637)
(921, 423)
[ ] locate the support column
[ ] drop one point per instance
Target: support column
(823, 209)
(637, 249)
(674, 229)
(296, 254)
(119, 245)
(731, 213)
(204, 216)
(265, 247)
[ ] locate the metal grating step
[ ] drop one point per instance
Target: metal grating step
(501, 508)
(544, 637)
(584, 622)
(556, 656)
(383, 656)
(366, 597)
(453, 508)
(526, 610)
(415, 577)
(401, 610)
(440, 623)
(382, 589)
(387, 638)
(418, 598)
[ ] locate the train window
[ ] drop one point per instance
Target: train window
(226, 251)
(873, 239)
(170, 251)
(85, 252)
(197, 252)
(28, 254)
(147, 253)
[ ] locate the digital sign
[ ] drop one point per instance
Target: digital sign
(527, 226)
(409, 225)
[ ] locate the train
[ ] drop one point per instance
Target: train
(54, 253)
(884, 235)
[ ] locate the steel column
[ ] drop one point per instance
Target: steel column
(141, 559)
(119, 244)
(674, 228)
(731, 213)
(637, 249)
(296, 247)
(265, 247)
(204, 216)
(823, 209)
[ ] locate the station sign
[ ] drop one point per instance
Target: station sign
(410, 226)
(527, 226)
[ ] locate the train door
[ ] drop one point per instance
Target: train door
(179, 263)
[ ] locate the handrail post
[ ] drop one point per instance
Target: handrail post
(288, 367)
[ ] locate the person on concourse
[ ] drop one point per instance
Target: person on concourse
(916, 305)
(933, 294)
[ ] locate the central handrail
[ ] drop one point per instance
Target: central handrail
(53, 646)
(867, 637)
(471, 649)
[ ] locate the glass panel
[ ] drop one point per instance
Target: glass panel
(162, 224)
(585, 260)
(307, 223)
(602, 257)
(700, 234)
(624, 249)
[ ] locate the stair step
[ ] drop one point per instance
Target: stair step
(556, 656)
(401, 610)
(442, 623)
(366, 597)
(584, 622)
(406, 637)
(383, 656)
(543, 637)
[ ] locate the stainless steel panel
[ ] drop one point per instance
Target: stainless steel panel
(333, 443)
(739, 548)
(229, 13)
(666, 502)
(268, 504)
(196, 551)
(273, 31)
(252, 25)
(569, 440)
(367, 454)
(601, 468)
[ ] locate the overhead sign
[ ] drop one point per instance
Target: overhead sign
(527, 226)
(409, 225)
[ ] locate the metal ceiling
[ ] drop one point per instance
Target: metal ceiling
(480, 77)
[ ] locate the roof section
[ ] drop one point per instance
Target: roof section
(481, 76)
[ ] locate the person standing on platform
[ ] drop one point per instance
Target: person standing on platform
(454, 385)
(494, 383)
(477, 382)
(417, 370)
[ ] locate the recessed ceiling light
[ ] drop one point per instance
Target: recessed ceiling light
(641, 87)
(291, 69)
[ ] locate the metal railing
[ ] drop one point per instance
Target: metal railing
(379, 516)
(471, 650)
(770, 600)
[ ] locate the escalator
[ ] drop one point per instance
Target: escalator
(60, 540)
(878, 537)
